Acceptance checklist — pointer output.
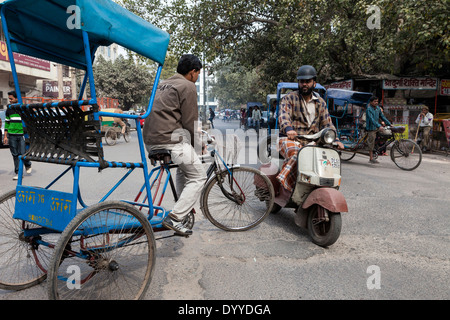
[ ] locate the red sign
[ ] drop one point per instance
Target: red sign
(445, 87)
(345, 84)
(446, 124)
(24, 60)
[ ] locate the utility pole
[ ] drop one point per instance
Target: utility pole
(73, 79)
(204, 98)
(60, 82)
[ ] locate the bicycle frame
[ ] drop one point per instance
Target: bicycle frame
(158, 173)
(357, 145)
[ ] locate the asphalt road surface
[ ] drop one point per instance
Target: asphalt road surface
(394, 245)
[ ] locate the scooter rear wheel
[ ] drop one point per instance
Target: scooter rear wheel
(324, 233)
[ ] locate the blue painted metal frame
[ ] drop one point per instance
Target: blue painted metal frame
(76, 194)
(346, 97)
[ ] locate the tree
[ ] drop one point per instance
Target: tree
(275, 37)
(125, 79)
(235, 86)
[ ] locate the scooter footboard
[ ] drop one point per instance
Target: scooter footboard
(331, 199)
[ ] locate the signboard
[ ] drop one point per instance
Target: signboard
(345, 84)
(50, 89)
(24, 60)
(48, 208)
(411, 84)
(446, 124)
(445, 87)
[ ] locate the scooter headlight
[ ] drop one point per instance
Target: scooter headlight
(329, 136)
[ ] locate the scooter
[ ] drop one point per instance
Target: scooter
(316, 197)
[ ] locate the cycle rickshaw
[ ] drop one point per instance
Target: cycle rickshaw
(350, 126)
(105, 250)
(112, 130)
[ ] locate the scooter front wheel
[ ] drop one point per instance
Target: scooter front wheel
(324, 226)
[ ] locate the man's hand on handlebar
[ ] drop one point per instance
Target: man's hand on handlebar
(339, 145)
(292, 134)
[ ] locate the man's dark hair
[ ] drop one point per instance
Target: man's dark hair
(372, 98)
(187, 63)
(12, 93)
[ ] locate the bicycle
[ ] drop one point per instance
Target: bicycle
(112, 134)
(234, 198)
(405, 153)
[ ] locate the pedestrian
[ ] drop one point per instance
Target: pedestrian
(256, 116)
(425, 123)
(249, 119)
(302, 111)
(212, 115)
(14, 135)
(173, 125)
(373, 125)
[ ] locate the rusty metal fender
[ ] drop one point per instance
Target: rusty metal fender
(331, 199)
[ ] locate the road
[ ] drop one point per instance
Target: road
(394, 245)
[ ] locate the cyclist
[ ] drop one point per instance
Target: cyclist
(373, 125)
(172, 125)
(119, 121)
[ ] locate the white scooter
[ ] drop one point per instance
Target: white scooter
(316, 196)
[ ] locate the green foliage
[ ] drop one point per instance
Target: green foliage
(126, 80)
(274, 37)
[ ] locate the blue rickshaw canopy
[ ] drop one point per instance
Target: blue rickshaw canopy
(48, 30)
(348, 96)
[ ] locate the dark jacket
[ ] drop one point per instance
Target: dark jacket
(175, 107)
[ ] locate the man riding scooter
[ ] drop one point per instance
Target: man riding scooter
(310, 175)
(302, 112)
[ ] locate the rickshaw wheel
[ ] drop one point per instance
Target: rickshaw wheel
(106, 252)
(111, 136)
(126, 135)
(23, 263)
(347, 155)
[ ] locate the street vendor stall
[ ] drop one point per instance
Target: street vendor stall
(402, 106)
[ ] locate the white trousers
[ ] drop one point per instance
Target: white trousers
(190, 178)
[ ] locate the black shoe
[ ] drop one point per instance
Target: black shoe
(176, 226)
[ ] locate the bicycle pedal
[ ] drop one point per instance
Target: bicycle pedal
(180, 235)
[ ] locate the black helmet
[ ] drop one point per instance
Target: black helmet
(306, 72)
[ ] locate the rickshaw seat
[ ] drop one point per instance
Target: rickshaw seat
(61, 133)
(163, 155)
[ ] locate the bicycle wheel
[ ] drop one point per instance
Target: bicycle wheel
(111, 136)
(23, 261)
(126, 135)
(406, 154)
(243, 201)
(107, 252)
